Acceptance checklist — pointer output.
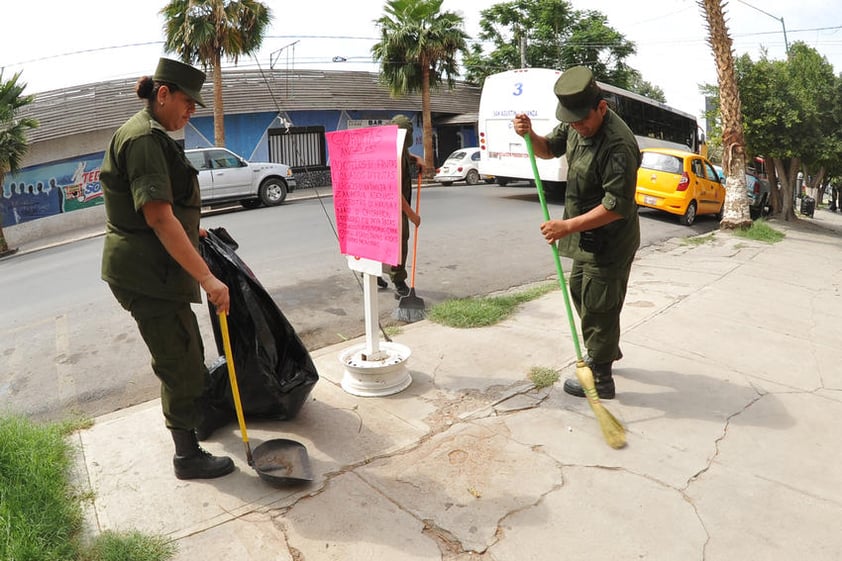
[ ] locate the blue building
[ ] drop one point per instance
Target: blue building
(275, 115)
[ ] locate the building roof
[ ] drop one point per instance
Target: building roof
(106, 105)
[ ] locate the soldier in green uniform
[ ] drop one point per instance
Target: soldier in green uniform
(150, 257)
(398, 272)
(599, 229)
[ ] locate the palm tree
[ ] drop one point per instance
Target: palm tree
(13, 144)
(203, 31)
(735, 212)
(418, 46)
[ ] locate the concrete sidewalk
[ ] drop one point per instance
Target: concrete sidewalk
(730, 390)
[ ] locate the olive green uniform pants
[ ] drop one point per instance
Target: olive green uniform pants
(172, 336)
(598, 293)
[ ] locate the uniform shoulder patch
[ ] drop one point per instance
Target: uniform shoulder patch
(619, 163)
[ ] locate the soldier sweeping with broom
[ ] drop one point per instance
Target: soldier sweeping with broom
(599, 229)
(410, 307)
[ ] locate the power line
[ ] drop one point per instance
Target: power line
(364, 38)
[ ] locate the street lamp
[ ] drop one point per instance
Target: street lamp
(275, 55)
(786, 43)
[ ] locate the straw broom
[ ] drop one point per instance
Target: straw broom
(612, 430)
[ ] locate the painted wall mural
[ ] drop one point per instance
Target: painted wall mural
(49, 189)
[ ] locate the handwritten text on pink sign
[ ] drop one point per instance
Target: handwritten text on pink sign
(365, 172)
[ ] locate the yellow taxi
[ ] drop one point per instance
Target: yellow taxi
(679, 182)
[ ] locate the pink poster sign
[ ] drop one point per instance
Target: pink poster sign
(365, 172)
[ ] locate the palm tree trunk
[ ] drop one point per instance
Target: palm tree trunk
(735, 212)
(427, 123)
(218, 108)
(4, 246)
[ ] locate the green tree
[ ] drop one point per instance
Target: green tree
(13, 129)
(819, 97)
(551, 34)
(205, 31)
(417, 51)
(638, 85)
(792, 116)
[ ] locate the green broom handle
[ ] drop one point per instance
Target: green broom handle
(561, 282)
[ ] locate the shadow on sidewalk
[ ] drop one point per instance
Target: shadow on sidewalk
(693, 396)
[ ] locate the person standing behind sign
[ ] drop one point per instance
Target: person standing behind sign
(599, 229)
(150, 258)
(398, 272)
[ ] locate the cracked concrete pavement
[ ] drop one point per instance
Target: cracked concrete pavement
(730, 391)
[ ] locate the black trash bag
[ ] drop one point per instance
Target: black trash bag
(275, 372)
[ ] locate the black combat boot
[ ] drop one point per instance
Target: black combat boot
(193, 462)
(603, 380)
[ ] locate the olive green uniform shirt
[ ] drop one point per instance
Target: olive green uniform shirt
(142, 164)
(602, 170)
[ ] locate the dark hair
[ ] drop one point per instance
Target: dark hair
(147, 88)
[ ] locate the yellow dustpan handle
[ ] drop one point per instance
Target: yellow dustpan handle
(232, 376)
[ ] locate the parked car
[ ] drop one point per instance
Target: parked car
(461, 165)
(226, 177)
(679, 182)
(757, 190)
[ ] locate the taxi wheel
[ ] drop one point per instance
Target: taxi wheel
(689, 215)
(472, 178)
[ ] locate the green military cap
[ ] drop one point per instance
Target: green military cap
(577, 92)
(403, 122)
(188, 79)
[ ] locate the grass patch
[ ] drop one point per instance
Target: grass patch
(133, 546)
(761, 231)
(40, 510)
(697, 240)
(485, 311)
(41, 519)
(393, 330)
(543, 377)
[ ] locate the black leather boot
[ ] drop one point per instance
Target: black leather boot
(603, 380)
(193, 462)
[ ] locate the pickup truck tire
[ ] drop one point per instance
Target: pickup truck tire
(273, 191)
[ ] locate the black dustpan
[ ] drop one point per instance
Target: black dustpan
(282, 462)
(279, 461)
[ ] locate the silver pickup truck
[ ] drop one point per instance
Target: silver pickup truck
(226, 177)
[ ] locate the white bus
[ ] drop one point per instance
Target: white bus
(530, 90)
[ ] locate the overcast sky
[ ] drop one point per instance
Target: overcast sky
(60, 44)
